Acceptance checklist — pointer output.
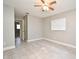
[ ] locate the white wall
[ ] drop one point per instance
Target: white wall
(8, 27)
(68, 36)
(34, 27)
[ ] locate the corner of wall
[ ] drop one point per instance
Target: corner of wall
(8, 48)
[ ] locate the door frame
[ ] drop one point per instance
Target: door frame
(25, 18)
(20, 21)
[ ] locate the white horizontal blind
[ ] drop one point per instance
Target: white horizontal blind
(58, 24)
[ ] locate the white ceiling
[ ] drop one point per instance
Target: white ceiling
(23, 6)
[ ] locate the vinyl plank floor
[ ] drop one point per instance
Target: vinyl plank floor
(40, 49)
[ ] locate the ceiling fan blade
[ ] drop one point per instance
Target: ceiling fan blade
(37, 5)
(53, 2)
(51, 8)
(42, 1)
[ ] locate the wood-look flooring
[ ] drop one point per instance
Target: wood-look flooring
(40, 49)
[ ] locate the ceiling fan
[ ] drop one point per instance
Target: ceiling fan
(45, 6)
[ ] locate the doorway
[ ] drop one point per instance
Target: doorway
(21, 31)
(18, 33)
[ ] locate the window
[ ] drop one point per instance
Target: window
(58, 24)
(18, 26)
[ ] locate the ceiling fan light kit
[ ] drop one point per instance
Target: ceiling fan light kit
(46, 6)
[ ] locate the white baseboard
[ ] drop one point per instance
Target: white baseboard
(8, 48)
(58, 42)
(31, 40)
